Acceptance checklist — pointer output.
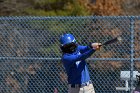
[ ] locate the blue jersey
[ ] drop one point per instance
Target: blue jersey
(75, 65)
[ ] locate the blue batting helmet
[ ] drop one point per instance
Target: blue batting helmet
(66, 39)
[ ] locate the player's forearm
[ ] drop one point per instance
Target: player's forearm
(85, 55)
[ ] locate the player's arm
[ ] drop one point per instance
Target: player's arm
(79, 57)
(90, 46)
(84, 48)
(84, 55)
(71, 59)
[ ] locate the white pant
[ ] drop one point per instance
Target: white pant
(86, 89)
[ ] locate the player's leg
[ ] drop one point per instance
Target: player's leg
(89, 89)
(73, 90)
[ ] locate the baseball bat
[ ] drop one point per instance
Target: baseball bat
(116, 39)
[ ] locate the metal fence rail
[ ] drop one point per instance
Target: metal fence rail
(30, 53)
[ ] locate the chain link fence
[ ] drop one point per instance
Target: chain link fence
(30, 53)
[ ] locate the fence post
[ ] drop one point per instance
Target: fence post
(132, 52)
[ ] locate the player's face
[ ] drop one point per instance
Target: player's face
(70, 48)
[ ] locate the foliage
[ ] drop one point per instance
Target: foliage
(43, 8)
(69, 7)
(57, 8)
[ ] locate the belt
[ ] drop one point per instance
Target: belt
(80, 85)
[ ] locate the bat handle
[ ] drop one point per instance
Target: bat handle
(100, 45)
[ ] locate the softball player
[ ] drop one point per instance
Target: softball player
(73, 59)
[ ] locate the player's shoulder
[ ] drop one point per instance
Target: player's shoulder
(66, 55)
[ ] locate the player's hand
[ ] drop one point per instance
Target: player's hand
(96, 46)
